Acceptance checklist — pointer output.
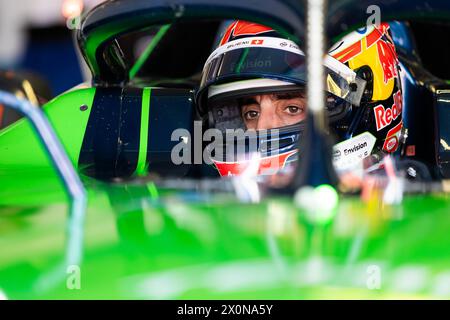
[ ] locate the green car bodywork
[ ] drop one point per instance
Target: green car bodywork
(142, 239)
(142, 242)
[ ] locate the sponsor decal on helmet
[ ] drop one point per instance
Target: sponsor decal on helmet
(351, 152)
(355, 148)
(392, 138)
(250, 64)
(266, 42)
(388, 60)
(237, 43)
(384, 117)
(391, 144)
(257, 41)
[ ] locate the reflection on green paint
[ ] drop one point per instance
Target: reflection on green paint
(148, 51)
(242, 60)
(153, 191)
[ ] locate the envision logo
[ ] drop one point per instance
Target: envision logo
(250, 64)
(355, 148)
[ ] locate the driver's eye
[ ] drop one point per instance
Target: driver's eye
(250, 115)
(294, 109)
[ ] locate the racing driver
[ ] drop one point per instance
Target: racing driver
(255, 80)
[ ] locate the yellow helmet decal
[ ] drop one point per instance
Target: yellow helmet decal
(377, 51)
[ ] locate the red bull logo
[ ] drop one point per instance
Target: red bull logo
(388, 60)
(384, 117)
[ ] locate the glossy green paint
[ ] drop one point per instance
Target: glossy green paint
(143, 141)
(145, 242)
(142, 241)
(19, 147)
(191, 244)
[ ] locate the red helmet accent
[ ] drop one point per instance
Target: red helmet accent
(267, 165)
(243, 28)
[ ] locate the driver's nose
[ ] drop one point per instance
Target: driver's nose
(268, 118)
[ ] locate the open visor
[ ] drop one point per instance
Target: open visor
(280, 59)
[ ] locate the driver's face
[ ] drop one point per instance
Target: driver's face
(270, 111)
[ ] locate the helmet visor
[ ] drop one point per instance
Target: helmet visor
(280, 59)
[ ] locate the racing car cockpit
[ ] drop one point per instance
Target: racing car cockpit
(150, 218)
(146, 73)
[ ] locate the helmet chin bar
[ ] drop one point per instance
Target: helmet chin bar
(255, 153)
(264, 140)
